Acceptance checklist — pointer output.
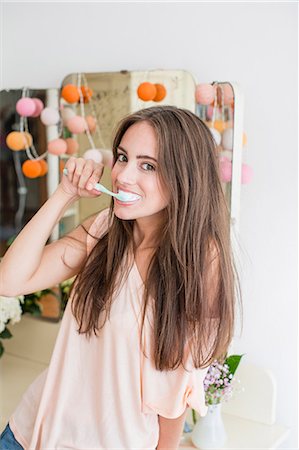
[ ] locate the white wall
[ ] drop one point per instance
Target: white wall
(254, 44)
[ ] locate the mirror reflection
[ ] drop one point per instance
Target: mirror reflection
(24, 180)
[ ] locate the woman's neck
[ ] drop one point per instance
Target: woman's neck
(146, 233)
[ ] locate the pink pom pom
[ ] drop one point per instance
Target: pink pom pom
(225, 170)
(66, 114)
(228, 93)
(25, 107)
(91, 123)
(77, 124)
(93, 154)
(49, 116)
(247, 174)
(57, 147)
(204, 94)
(209, 113)
(72, 146)
(39, 106)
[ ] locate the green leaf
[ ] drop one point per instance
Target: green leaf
(194, 416)
(233, 361)
(32, 308)
(6, 334)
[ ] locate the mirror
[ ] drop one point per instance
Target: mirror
(215, 106)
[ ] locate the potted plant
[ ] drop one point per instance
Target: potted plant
(219, 385)
(10, 313)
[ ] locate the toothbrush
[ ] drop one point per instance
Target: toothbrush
(123, 196)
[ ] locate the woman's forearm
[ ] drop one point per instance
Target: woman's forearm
(170, 432)
(23, 256)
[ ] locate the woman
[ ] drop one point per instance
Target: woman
(153, 301)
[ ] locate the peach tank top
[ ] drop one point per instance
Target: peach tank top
(103, 393)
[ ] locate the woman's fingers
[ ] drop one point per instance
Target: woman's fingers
(82, 173)
(71, 167)
(95, 177)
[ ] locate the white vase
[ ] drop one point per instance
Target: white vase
(209, 431)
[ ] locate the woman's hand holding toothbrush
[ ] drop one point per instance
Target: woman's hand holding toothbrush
(80, 177)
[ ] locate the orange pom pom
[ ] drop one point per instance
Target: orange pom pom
(16, 140)
(44, 167)
(220, 126)
(72, 146)
(70, 93)
(28, 138)
(31, 168)
(147, 91)
(161, 93)
(61, 166)
(87, 93)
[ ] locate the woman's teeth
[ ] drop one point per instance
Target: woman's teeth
(128, 196)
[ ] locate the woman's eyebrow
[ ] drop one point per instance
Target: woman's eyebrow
(138, 156)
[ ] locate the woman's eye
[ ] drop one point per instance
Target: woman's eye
(121, 157)
(148, 167)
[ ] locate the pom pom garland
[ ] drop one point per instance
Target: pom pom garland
(147, 91)
(77, 124)
(32, 168)
(161, 93)
(155, 92)
(70, 93)
(247, 174)
(17, 140)
(204, 94)
(72, 146)
(25, 107)
(66, 114)
(87, 93)
(225, 170)
(50, 116)
(39, 106)
(57, 147)
(228, 94)
(35, 166)
(91, 123)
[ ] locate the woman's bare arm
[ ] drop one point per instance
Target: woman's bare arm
(29, 264)
(170, 432)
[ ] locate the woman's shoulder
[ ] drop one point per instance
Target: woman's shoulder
(96, 226)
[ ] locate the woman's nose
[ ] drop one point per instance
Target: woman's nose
(127, 175)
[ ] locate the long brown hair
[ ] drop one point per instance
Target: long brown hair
(192, 279)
